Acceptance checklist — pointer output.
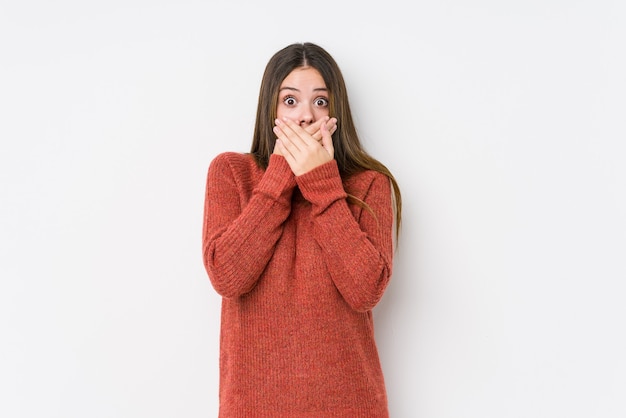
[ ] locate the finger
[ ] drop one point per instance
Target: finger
(288, 138)
(298, 135)
(277, 147)
(331, 124)
(327, 140)
(314, 128)
(291, 155)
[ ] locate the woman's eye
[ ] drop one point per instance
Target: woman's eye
(289, 101)
(322, 102)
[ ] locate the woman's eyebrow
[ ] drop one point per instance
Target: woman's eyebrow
(295, 89)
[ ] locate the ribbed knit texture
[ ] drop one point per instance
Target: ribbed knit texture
(299, 271)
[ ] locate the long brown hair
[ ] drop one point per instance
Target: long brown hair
(349, 153)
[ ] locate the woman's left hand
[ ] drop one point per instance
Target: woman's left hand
(301, 150)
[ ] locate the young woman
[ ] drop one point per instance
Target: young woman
(298, 239)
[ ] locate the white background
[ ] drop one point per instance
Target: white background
(503, 122)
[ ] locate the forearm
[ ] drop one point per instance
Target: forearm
(357, 243)
(239, 237)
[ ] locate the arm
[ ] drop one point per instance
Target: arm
(358, 249)
(239, 237)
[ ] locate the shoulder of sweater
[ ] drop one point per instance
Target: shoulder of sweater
(237, 161)
(360, 184)
(234, 157)
(365, 178)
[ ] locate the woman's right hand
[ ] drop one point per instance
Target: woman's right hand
(301, 150)
(314, 130)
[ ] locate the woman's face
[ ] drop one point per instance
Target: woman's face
(303, 96)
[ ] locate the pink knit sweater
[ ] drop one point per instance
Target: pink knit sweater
(299, 271)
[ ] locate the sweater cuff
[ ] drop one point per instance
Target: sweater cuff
(322, 186)
(278, 180)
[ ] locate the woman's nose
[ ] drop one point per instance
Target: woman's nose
(306, 117)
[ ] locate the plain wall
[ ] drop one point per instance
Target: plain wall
(502, 121)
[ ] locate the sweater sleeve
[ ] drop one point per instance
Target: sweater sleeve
(357, 247)
(239, 236)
